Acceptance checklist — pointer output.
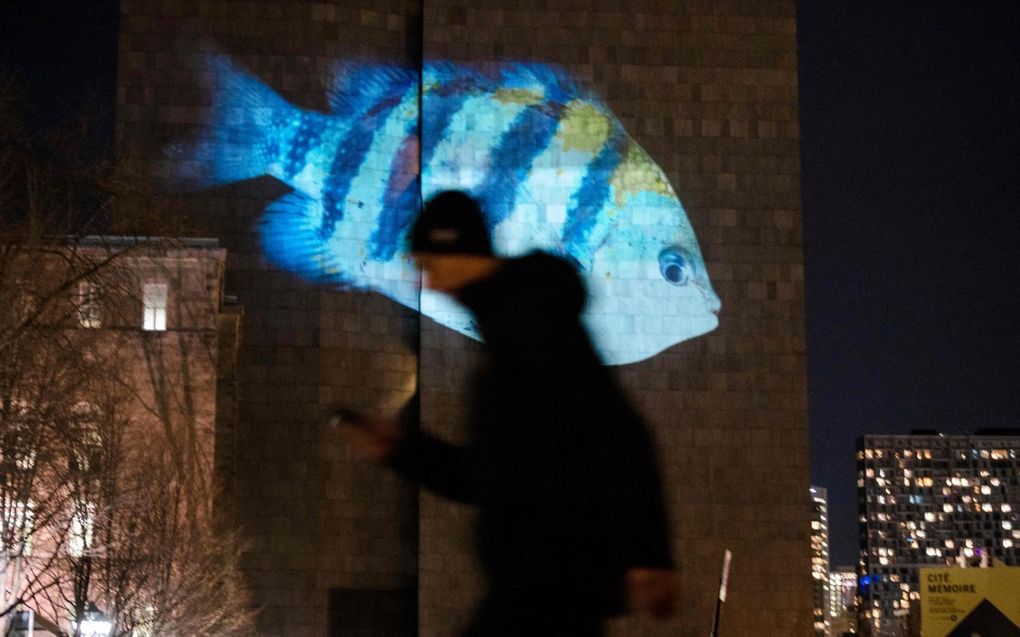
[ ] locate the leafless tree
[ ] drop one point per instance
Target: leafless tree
(106, 491)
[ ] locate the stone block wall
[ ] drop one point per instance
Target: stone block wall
(709, 89)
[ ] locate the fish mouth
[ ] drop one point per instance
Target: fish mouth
(712, 302)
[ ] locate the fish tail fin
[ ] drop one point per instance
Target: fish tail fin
(237, 140)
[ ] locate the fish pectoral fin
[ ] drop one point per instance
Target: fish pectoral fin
(292, 235)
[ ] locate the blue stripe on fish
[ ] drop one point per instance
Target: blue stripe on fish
(346, 164)
(512, 158)
(442, 106)
(591, 196)
(401, 204)
(305, 139)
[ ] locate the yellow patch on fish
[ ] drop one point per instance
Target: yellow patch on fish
(523, 96)
(638, 172)
(583, 128)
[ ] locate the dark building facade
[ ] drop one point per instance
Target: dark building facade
(709, 90)
(931, 500)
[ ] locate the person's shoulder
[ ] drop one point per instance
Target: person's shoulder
(547, 275)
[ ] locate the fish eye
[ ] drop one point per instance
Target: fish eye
(675, 266)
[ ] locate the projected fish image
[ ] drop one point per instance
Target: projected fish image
(551, 165)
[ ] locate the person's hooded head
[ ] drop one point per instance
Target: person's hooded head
(450, 242)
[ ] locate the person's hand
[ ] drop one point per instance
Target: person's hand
(652, 591)
(375, 439)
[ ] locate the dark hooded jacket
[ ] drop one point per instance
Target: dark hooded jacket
(560, 465)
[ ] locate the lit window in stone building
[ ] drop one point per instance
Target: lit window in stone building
(154, 297)
(17, 527)
(79, 538)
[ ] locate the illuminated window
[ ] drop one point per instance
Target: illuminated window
(18, 528)
(86, 444)
(79, 538)
(88, 305)
(154, 296)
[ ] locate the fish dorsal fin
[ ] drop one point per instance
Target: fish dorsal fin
(357, 86)
(557, 83)
(552, 83)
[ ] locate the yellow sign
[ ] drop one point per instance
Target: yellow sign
(970, 601)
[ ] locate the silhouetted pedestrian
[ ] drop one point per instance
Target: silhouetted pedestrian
(561, 467)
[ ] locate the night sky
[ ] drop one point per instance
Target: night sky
(911, 179)
(911, 183)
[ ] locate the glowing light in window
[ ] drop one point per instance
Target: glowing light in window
(154, 299)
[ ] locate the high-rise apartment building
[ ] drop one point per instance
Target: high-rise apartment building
(842, 592)
(931, 499)
(820, 560)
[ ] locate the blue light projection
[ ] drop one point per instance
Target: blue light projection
(552, 166)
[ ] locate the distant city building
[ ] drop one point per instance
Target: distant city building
(842, 594)
(820, 559)
(931, 499)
